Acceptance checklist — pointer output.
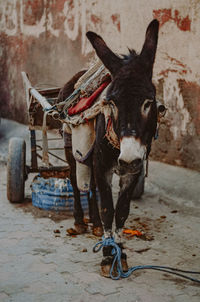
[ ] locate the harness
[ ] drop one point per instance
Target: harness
(111, 135)
(78, 113)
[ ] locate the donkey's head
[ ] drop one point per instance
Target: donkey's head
(133, 94)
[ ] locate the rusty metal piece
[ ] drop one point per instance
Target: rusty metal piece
(56, 174)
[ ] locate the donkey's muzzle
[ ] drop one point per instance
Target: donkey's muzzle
(131, 151)
(133, 167)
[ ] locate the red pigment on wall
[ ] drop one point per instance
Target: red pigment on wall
(95, 19)
(165, 15)
(176, 67)
(57, 5)
(33, 11)
(166, 71)
(116, 21)
(197, 121)
(177, 62)
(70, 15)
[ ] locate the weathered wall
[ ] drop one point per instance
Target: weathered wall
(47, 40)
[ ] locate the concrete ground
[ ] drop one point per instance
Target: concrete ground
(40, 262)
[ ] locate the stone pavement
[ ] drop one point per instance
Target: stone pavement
(40, 262)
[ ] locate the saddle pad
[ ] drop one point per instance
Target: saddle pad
(85, 103)
(83, 138)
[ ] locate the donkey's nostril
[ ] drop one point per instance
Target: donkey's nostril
(136, 162)
(122, 162)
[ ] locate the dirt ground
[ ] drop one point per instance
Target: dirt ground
(40, 262)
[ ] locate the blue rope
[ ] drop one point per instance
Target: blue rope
(116, 252)
(71, 96)
(50, 109)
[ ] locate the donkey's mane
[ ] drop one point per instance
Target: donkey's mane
(130, 57)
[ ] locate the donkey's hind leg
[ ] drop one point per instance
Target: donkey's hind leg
(79, 224)
(94, 210)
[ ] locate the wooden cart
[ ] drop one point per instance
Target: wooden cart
(39, 102)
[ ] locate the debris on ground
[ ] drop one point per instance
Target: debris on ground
(132, 232)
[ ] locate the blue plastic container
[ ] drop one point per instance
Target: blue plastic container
(55, 194)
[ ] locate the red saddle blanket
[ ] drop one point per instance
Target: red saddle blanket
(86, 103)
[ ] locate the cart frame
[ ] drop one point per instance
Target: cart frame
(41, 117)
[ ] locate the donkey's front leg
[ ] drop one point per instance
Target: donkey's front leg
(127, 185)
(107, 210)
(107, 214)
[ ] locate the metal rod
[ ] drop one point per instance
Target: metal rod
(49, 148)
(49, 139)
(34, 163)
(53, 154)
(56, 149)
(57, 157)
(52, 149)
(38, 155)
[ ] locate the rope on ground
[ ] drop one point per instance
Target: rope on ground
(116, 252)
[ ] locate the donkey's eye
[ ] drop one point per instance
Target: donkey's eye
(146, 106)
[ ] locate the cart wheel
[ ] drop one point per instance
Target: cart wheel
(139, 188)
(16, 169)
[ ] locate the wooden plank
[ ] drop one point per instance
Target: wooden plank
(29, 89)
(26, 81)
(41, 99)
(47, 91)
(27, 86)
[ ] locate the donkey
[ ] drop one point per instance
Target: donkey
(133, 95)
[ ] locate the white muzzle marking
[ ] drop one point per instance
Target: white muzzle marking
(131, 149)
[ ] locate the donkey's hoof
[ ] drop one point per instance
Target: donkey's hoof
(81, 228)
(97, 231)
(124, 262)
(105, 270)
(106, 265)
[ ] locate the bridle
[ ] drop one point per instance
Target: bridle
(110, 112)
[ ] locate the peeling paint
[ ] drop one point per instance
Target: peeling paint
(47, 39)
(165, 15)
(95, 19)
(177, 113)
(71, 23)
(116, 20)
(8, 20)
(31, 30)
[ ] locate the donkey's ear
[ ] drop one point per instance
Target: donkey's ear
(109, 59)
(148, 52)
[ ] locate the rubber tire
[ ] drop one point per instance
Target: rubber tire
(139, 188)
(16, 170)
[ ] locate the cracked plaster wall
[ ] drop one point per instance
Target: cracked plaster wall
(47, 40)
